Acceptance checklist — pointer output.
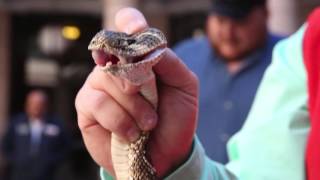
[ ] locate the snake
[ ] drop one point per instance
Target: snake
(132, 57)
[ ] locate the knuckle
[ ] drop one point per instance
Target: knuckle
(194, 79)
(143, 113)
(136, 104)
(124, 127)
(121, 123)
(130, 89)
(79, 105)
(97, 101)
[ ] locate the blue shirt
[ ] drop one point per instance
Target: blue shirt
(225, 98)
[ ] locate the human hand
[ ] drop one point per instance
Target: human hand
(106, 104)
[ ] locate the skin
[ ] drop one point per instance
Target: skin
(234, 39)
(107, 104)
(36, 104)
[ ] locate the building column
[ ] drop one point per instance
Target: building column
(285, 16)
(110, 8)
(4, 76)
(4, 68)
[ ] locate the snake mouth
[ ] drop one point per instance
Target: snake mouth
(106, 59)
(102, 59)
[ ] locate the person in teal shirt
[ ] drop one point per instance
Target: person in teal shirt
(270, 145)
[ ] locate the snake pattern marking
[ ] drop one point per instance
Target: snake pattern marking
(132, 57)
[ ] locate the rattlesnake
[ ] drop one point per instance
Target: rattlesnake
(132, 57)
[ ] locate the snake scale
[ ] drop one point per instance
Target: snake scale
(132, 57)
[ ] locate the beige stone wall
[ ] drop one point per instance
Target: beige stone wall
(307, 7)
(4, 68)
(285, 16)
(110, 7)
(158, 20)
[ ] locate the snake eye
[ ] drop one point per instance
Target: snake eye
(131, 41)
(117, 43)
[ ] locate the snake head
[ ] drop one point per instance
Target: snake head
(107, 42)
(121, 48)
(111, 42)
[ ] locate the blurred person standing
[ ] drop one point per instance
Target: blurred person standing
(229, 63)
(35, 142)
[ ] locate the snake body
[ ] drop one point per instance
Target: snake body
(132, 57)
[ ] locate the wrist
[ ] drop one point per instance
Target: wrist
(166, 163)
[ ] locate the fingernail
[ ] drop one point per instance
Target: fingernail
(133, 134)
(135, 26)
(149, 121)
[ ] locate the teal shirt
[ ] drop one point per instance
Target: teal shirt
(271, 143)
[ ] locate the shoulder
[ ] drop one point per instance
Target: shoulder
(54, 126)
(315, 16)
(275, 38)
(313, 26)
(53, 119)
(193, 44)
(193, 51)
(18, 118)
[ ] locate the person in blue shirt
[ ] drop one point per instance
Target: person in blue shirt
(229, 62)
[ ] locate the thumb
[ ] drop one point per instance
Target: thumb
(130, 20)
(173, 72)
(170, 70)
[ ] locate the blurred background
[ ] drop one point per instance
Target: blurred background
(43, 44)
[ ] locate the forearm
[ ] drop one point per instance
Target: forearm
(198, 166)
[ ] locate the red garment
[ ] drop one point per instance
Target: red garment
(311, 55)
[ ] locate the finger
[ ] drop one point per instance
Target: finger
(113, 117)
(101, 108)
(97, 139)
(140, 110)
(137, 107)
(101, 80)
(130, 20)
(125, 85)
(173, 72)
(94, 135)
